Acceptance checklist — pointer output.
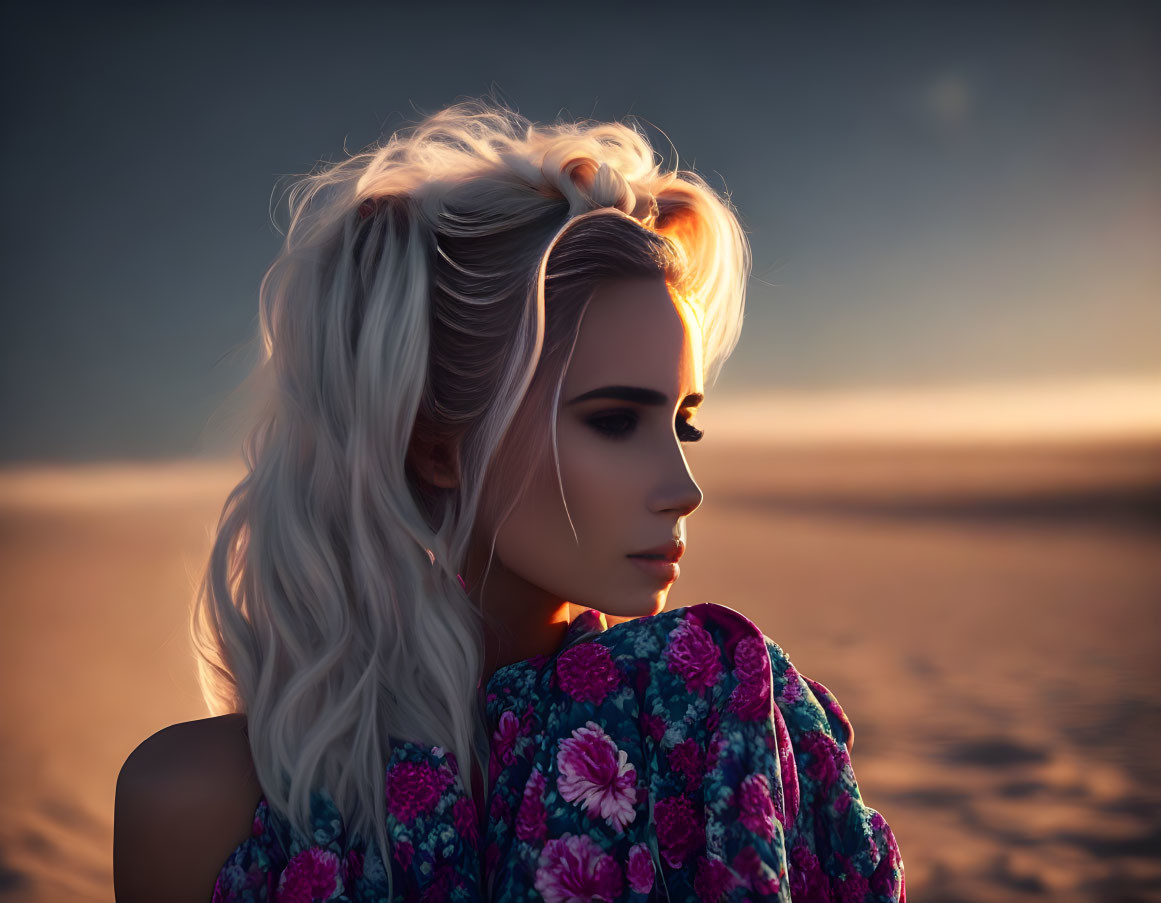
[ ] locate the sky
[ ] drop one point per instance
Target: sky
(938, 196)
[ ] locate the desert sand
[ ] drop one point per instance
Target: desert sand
(987, 616)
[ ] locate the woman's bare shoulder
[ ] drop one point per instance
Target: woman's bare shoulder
(207, 750)
(185, 800)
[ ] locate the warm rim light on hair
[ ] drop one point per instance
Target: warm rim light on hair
(446, 310)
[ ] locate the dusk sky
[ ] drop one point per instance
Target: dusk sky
(937, 195)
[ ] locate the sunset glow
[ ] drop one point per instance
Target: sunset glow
(1074, 410)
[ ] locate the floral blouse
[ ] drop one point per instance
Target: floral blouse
(674, 757)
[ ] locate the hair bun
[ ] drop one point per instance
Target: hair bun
(588, 186)
(609, 188)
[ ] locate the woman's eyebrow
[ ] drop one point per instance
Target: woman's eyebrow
(636, 394)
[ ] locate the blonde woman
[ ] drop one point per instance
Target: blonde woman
(486, 341)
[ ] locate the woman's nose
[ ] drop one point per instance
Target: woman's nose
(676, 490)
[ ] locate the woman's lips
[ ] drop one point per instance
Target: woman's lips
(659, 569)
(670, 551)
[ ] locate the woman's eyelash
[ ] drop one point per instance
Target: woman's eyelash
(620, 424)
(687, 432)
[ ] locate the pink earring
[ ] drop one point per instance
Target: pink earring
(431, 555)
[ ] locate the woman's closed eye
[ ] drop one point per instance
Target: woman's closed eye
(620, 425)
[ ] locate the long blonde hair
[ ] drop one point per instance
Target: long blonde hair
(429, 287)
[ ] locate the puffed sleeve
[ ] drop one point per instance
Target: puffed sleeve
(837, 848)
(651, 761)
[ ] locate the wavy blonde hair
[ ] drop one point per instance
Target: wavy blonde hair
(428, 288)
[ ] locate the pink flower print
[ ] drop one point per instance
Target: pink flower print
(439, 888)
(792, 689)
(401, 852)
(586, 672)
(641, 674)
(807, 882)
(413, 788)
(678, 831)
(598, 774)
(751, 660)
(527, 720)
(447, 762)
(654, 726)
(825, 764)
(230, 882)
(691, 653)
(574, 868)
(532, 819)
(353, 865)
(688, 758)
(491, 857)
(888, 877)
(851, 887)
(714, 749)
(261, 881)
(312, 874)
(466, 818)
(843, 803)
(712, 880)
(504, 738)
(746, 864)
(500, 809)
(258, 826)
(750, 701)
(757, 806)
(755, 874)
(641, 871)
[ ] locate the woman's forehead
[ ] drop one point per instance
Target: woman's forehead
(634, 334)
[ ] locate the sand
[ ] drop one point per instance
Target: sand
(988, 617)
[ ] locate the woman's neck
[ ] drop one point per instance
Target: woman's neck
(522, 620)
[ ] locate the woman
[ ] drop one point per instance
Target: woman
(485, 343)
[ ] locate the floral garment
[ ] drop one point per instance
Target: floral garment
(674, 757)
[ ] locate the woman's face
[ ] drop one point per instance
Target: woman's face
(632, 386)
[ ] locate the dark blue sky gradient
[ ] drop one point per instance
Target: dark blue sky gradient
(935, 193)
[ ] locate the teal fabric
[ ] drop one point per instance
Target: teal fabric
(675, 757)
